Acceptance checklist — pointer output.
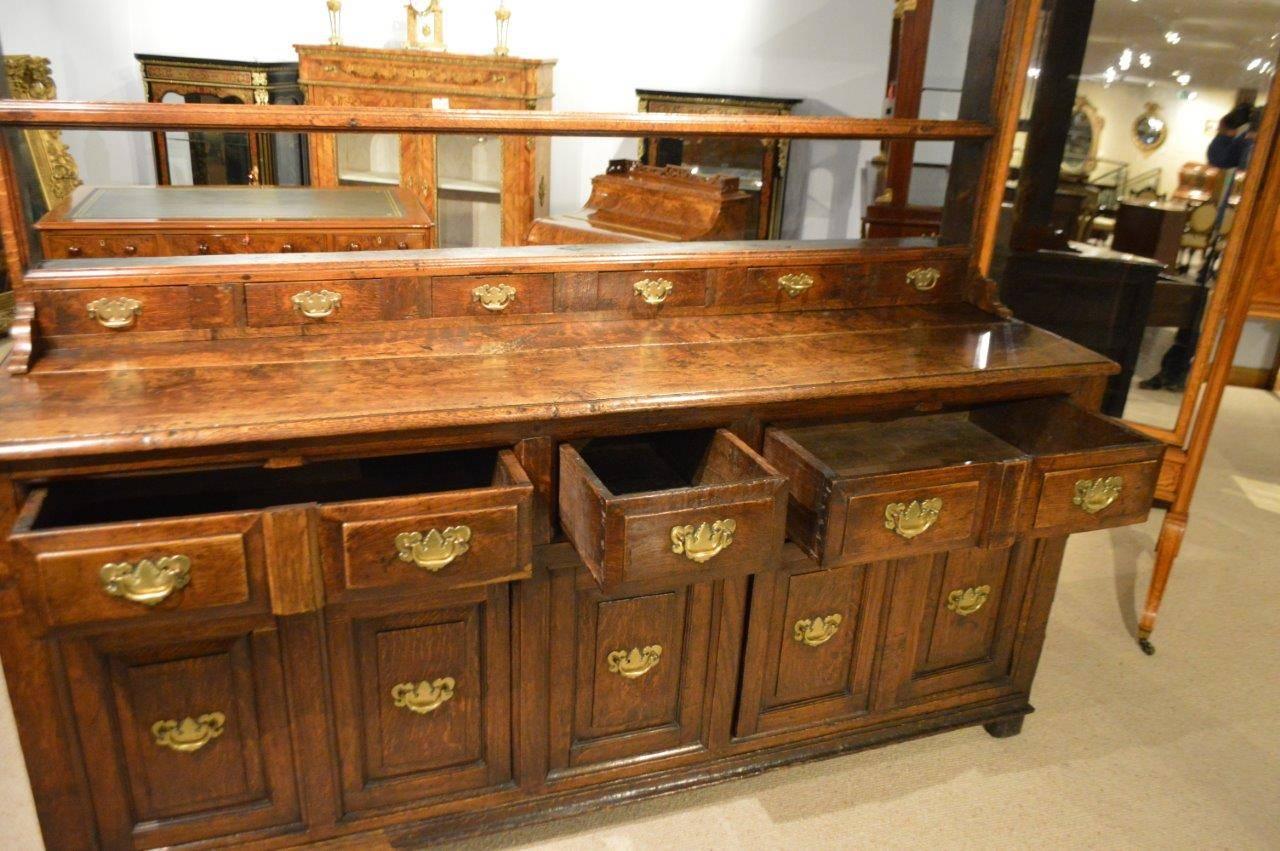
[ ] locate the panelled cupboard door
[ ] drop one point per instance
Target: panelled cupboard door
(952, 621)
(810, 646)
(422, 698)
(632, 677)
(185, 737)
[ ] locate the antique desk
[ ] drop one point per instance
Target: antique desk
(149, 221)
(481, 189)
(640, 203)
(203, 157)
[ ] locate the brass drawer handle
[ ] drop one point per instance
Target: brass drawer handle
(654, 291)
(815, 631)
(634, 662)
(434, 550)
(966, 601)
(286, 248)
(115, 313)
(131, 250)
(317, 305)
(924, 278)
(147, 582)
(1093, 495)
(909, 520)
(914, 518)
(189, 734)
(423, 697)
(795, 284)
(494, 297)
(703, 542)
(74, 250)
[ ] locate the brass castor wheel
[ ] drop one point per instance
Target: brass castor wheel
(1147, 646)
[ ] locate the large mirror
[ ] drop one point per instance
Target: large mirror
(1136, 218)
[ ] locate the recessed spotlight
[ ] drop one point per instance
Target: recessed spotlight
(1126, 59)
(1110, 74)
(1252, 66)
(1183, 79)
(1173, 36)
(1144, 59)
(1175, 72)
(1033, 73)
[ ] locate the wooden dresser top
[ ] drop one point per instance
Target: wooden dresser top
(528, 379)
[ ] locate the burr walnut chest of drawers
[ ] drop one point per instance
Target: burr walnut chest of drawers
(478, 538)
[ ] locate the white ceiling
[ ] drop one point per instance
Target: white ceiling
(1219, 39)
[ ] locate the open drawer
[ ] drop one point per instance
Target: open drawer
(1087, 471)
(879, 489)
(231, 540)
(675, 504)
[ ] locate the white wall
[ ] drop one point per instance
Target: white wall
(834, 53)
(1121, 104)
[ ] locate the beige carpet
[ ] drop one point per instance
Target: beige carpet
(1180, 750)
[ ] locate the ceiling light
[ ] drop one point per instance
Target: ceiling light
(1110, 74)
(1126, 59)
(1144, 59)
(1183, 79)
(1253, 65)
(1173, 36)
(1175, 72)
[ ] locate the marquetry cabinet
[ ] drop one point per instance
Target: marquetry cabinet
(481, 190)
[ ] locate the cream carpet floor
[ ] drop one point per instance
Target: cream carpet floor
(1179, 750)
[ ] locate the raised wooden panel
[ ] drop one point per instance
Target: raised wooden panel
(633, 682)
(232, 768)
(401, 741)
(810, 646)
(952, 621)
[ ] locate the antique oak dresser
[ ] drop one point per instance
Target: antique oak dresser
(149, 221)
(510, 533)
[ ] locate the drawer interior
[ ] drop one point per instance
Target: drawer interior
(870, 448)
(664, 461)
(114, 499)
(1055, 427)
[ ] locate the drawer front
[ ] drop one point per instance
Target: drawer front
(422, 699)
(151, 570)
(336, 302)
(492, 295)
(917, 282)
(910, 517)
(121, 311)
(92, 245)
(1095, 497)
(810, 646)
(246, 243)
(379, 241)
(184, 738)
(952, 621)
(637, 685)
(440, 541)
(687, 542)
(797, 287)
(657, 290)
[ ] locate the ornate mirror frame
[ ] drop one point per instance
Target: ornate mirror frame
(1152, 111)
(1096, 123)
